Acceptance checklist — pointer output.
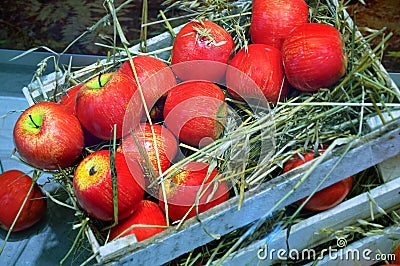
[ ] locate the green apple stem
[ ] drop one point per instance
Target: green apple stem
(33, 122)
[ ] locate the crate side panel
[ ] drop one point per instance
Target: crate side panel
(306, 234)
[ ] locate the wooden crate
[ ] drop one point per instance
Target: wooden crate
(378, 146)
(381, 144)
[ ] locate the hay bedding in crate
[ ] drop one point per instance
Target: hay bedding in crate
(302, 122)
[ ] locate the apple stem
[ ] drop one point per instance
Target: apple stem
(99, 78)
(30, 117)
(92, 171)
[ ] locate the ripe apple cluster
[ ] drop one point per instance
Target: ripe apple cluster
(312, 54)
(188, 106)
(52, 136)
(286, 51)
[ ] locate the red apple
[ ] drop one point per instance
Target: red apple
(201, 51)
(147, 213)
(185, 186)
(14, 187)
(68, 100)
(259, 65)
(327, 197)
(166, 142)
(273, 20)
(314, 57)
(155, 78)
(93, 186)
(194, 111)
(103, 101)
(145, 154)
(48, 136)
